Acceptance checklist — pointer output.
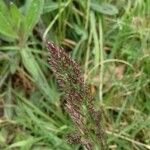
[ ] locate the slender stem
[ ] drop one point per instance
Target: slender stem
(101, 59)
(87, 56)
(54, 20)
(108, 61)
(128, 139)
(87, 13)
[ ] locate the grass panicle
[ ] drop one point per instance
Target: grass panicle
(76, 96)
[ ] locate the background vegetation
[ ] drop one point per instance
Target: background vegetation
(109, 39)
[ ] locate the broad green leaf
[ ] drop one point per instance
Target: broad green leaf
(33, 68)
(3, 6)
(33, 13)
(16, 16)
(7, 31)
(104, 8)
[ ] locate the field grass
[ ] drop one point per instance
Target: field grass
(109, 39)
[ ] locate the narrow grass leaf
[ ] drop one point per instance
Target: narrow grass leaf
(104, 8)
(33, 68)
(35, 109)
(96, 50)
(24, 143)
(4, 73)
(52, 6)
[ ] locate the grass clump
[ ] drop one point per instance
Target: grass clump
(110, 41)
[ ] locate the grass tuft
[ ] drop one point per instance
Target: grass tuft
(109, 40)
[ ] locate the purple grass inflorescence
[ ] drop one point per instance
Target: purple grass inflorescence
(78, 101)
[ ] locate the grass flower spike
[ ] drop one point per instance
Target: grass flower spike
(78, 101)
